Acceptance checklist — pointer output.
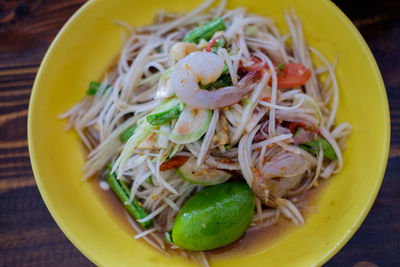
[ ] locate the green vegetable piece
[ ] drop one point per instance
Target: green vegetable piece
(214, 217)
(202, 174)
(165, 116)
(206, 31)
(94, 87)
(329, 152)
(220, 42)
(225, 69)
(310, 147)
(168, 237)
(222, 81)
(250, 30)
(297, 131)
(281, 66)
(190, 126)
(125, 135)
(167, 111)
(122, 191)
(228, 146)
(313, 148)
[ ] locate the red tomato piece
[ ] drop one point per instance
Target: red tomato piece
(292, 75)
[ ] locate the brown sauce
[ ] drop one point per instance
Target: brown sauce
(252, 241)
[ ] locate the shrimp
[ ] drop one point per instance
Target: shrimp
(203, 67)
(281, 174)
(180, 50)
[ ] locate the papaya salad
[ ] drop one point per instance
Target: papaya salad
(211, 123)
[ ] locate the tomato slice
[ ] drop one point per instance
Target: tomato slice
(292, 75)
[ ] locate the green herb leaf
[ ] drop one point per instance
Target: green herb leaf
(329, 152)
(313, 148)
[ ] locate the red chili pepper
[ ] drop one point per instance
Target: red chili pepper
(266, 99)
(211, 44)
(175, 162)
(293, 125)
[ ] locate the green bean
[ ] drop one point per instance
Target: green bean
(206, 31)
(165, 116)
(122, 191)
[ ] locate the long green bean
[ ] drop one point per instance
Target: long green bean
(122, 191)
(205, 31)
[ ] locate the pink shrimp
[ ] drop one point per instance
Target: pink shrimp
(202, 67)
(281, 174)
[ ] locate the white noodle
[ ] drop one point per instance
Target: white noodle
(335, 87)
(267, 104)
(335, 147)
(249, 108)
(153, 214)
(144, 233)
(271, 141)
(137, 183)
(271, 125)
(139, 230)
(208, 137)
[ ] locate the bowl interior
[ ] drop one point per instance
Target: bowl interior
(90, 42)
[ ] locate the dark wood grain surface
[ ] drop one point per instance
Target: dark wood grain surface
(29, 235)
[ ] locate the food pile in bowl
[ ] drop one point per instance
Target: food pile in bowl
(211, 123)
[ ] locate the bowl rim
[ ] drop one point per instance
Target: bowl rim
(335, 249)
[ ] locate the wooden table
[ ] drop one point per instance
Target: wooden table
(29, 235)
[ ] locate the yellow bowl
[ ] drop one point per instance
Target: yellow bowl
(89, 43)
